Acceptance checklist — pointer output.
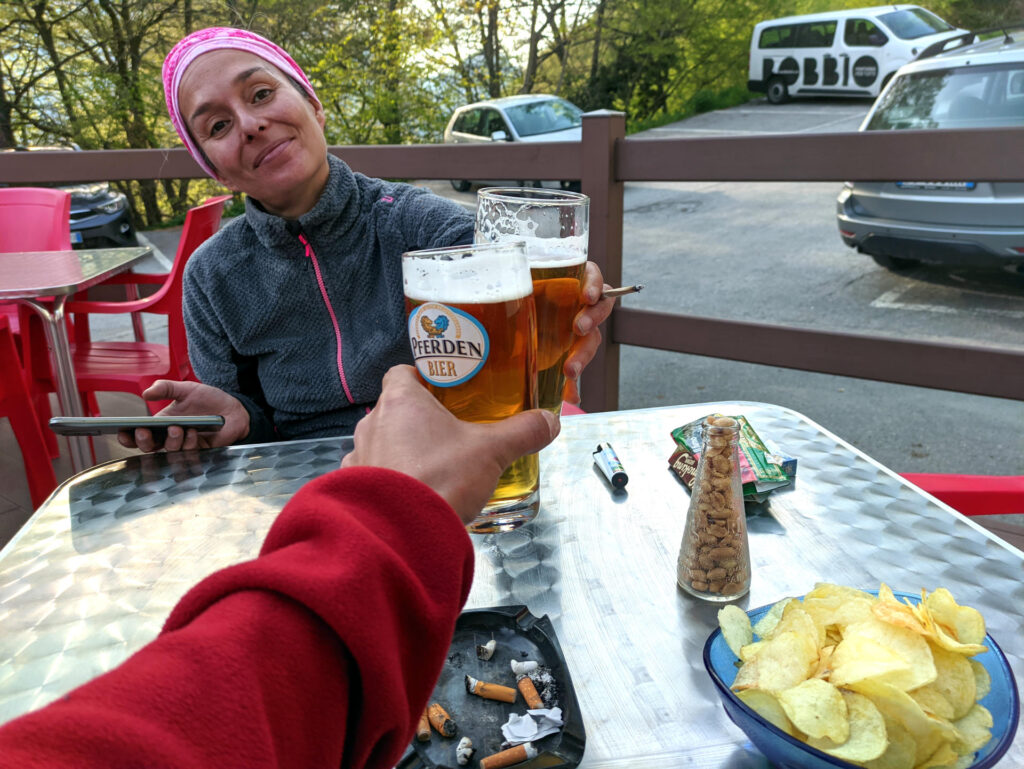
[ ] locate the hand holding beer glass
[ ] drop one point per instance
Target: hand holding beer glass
(472, 328)
(555, 227)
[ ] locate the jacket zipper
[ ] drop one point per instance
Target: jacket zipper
(330, 311)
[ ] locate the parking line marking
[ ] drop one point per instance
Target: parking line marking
(889, 301)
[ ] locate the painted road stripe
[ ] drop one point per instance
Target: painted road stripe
(890, 301)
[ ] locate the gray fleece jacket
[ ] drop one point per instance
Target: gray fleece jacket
(300, 320)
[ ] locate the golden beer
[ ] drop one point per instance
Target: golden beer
(473, 333)
(556, 293)
(555, 227)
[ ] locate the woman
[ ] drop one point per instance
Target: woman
(295, 311)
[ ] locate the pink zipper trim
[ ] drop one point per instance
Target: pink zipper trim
(330, 311)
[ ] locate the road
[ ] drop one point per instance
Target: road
(770, 252)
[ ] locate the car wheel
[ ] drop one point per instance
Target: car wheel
(895, 263)
(460, 185)
(777, 91)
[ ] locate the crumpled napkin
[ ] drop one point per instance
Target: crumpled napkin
(535, 724)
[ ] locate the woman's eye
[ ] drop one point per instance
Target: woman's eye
(217, 127)
(261, 94)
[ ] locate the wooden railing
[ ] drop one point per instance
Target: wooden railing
(605, 160)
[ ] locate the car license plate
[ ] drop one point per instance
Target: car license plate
(951, 186)
(76, 237)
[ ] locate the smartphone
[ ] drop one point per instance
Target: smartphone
(159, 425)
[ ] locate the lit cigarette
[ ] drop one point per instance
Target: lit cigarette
(611, 293)
(486, 651)
(515, 755)
(529, 692)
(423, 727)
(490, 691)
(440, 720)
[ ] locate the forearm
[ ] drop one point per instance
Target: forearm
(321, 652)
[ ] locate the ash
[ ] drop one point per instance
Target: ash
(547, 686)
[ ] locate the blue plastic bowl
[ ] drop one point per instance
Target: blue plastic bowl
(785, 751)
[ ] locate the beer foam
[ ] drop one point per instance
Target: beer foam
(545, 253)
(484, 278)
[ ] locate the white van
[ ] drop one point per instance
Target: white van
(843, 53)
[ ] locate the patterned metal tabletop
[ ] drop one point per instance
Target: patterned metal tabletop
(92, 575)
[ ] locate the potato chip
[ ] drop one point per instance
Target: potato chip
(767, 706)
(932, 701)
(796, 620)
(867, 738)
(982, 680)
(909, 647)
(943, 756)
(901, 750)
(965, 624)
(954, 681)
(857, 658)
(824, 667)
(780, 663)
(974, 730)
(767, 623)
(889, 609)
(736, 628)
(817, 709)
(928, 732)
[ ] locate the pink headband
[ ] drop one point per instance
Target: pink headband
(219, 39)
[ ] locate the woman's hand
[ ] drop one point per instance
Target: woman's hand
(588, 336)
(190, 399)
(411, 432)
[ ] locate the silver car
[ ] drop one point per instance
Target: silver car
(524, 118)
(901, 224)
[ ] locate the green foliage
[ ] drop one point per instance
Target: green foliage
(387, 71)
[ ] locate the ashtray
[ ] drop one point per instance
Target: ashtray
(521, 636)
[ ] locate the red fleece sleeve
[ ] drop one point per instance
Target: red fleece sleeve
(322, 652)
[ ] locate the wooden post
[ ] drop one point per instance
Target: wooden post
(599, 384)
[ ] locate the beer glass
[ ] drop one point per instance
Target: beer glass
(555, 226)
(472, 328)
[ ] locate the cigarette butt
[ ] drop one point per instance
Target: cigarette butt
(529, 692)
(486, 651)
(622, 291)
(509, 757)
(440, 720)
(490, 691)
(423, 728)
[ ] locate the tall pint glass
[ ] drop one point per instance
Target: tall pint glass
(555, 226)
(472, 328)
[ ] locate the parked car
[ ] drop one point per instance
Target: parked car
(900, 224)
(524, 118)
(841, 53)
(100, 216)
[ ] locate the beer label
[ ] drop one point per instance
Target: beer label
(449, 346)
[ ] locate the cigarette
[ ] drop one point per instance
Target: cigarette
(611, 293)
(464, 751)
(529, 692)
(508, 757)
(486, 651)
(440, 720)
(423, 727)
(524, 668)
(490, 691)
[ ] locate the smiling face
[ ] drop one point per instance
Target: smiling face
(260, 134)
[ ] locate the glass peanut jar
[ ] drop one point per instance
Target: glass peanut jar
(714, 556)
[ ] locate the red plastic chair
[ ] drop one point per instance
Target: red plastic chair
(16, 405)
(133, 366)
(974, 494)
(33, 219)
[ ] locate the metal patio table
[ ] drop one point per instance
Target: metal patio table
(27, 276)
(92, 575)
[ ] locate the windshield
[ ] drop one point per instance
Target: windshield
(960, 97)
(541, 117)
(913, 23)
